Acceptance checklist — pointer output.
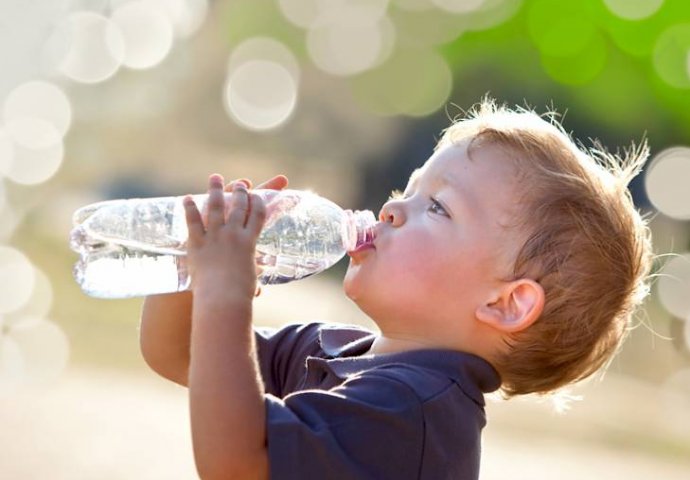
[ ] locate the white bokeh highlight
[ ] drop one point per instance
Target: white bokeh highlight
(459, 6)
(146, 32)
(33, 351)
(18, 277)
(673, 287)
(633, 9)
(667, 182)
(33, 133)
(264, 48)
(185, 16)
(262, 83)
(6, 152)
(348, 40)
(41, 100)
(32, 166)
(86, 47)
(40, 301)
(260, 94)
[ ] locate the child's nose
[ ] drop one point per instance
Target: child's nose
(392, 213)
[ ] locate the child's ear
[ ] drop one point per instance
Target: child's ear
(518, 305)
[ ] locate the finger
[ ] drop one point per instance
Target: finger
(246, 181)
(239, 205)
(216, 202)
(278, 182)
(257, 214)
(195, 225)
(258, 291)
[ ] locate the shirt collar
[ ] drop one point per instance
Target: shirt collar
(347, 347)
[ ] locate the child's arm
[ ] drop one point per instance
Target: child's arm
(225, 387)
(164, 334)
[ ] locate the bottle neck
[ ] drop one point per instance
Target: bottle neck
(359, 228)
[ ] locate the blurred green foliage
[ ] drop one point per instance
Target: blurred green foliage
(624, 77)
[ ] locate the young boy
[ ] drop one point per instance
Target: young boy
(513, 260)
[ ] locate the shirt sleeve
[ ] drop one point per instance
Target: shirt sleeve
(282, 355)
(369, 427)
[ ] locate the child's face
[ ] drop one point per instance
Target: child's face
(442, 249)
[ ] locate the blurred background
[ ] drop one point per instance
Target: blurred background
(106, 99)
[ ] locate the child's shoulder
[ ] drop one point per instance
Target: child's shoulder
(433, 374)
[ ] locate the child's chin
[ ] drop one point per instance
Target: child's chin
(352, 283)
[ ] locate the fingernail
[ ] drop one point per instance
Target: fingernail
(215, 180)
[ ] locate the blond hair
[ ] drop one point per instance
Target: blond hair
(584, 243)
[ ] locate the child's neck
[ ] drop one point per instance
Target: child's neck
(398, 343)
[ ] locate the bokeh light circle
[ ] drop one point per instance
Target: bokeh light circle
(186, 16)
(666, 182)
(493, 13)
(413, 5)
(302, 13)
(559, 29)
(42, 100)
(33, 133)
(87, 47)
(670, 56)
(18, 277)
(673, 287)
(633, 9)
(31, 166)
(427, 27)
(580, 68)
(40, 302)
(414, 82)
(43, 346)
(264, 48)
(147, 34)
(260, 94)
(348, 45)
(459, 6)
(3, 198)
(6, 152)
(12, 365)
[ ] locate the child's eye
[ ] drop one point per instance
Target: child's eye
(436, 207)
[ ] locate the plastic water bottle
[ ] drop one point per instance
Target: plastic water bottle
(136, 247)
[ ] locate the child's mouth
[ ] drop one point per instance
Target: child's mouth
(361, 248)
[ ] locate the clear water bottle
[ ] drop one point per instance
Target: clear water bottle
(136, 247)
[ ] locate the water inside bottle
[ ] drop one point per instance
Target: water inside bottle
(109, 270)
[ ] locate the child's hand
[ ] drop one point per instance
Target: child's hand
(221, 250)
(278, 182)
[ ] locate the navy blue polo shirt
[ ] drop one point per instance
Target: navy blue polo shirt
(334, 412)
